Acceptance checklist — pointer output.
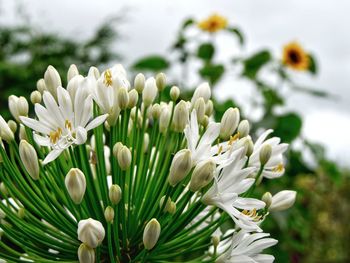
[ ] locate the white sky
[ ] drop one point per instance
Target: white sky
(321, 26)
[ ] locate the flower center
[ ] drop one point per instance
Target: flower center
(252, 214)
(233, 138)
(294, 56)
(279, 168)
(108, 78)
(55, 135)
(68, 125)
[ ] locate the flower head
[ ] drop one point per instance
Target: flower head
(213, 23)
(295, 57)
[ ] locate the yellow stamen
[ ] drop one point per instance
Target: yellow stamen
(220, 149)
(68, 125)
(108, 78)
(55, 135)
(279, 168)
(253, 214)
(233, 138)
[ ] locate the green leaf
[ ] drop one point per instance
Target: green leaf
(238, 33)
(152, 63)
(271, 97)
(253, 64)
(187, 23)
(332, 170)
(212, 72)
(206, 51)
(313, 65)
(312, 91)
(288, 127)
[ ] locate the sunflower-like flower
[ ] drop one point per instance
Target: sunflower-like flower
(295, 57)
(213, 23)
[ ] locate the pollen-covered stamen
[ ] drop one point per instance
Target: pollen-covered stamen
(220, 149)
(68, 125)
(233, 138)
(279, 168)
(252, 214)
(55, 135)
(108, 78)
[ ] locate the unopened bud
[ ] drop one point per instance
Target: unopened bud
(35, 97)
(145, 142)
(22, 133)
(202, 91)
(22, 106)
(109, 214)
(13, 125)
(115, 194)
(76, 185)
(180, 166)
(215, 240)
(229, 123)
(265, 154)
(151, 234)
(5, 131)
(3, 189)
(29, 159)
(205, 121)
(133, 98)
(202, 175)
(86, 254)
(150, 91)
(164, 120)
(161, 81)
(249, 147)
(72, 72)
(267, 198)
(52, 80)
(199, 106)
(243, 128)
(116, 149)
(180, 117)
(156, 111)
(209, 108)
(174, 93)
(172, 208)
(94, 72)
(124, 158)
(40, 86)
(123, 98)
(91, 232)
(283, 200)
(167, 205)
(21, 212)
(139, 82)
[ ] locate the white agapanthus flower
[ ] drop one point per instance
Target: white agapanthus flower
(64, 124)
(228, 185)
(274, 167)
(247, 248)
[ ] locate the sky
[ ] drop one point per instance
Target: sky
(149, 27)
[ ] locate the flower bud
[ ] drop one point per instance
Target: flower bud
(86, 254)
(249, 147)
(76, 185)
(35, 97)
(116, 149)
(124, 158)
(3, 189)
(283, 200)
(40, 86)
(156, 111)
(109, 214)
(180, 118)
(12, 104)
(115, 194)
(202, 175)
(5, 131)
(13, 125)
(180, 166)
(139, 82)
(72, 72)
(164, 120)
(91, 232)
(133, 98)
(123, 98)
(199, 106)
(174, 93)
(151, 234)
(215, 240)
(21, 212)
(161, 81)
(205, 121)
(94, 72)
(172, 208)
(202, 91)
(29, 159)
(22, 106)
(243, 128)
(209, 108)
(150, 91)
(145, 142)
(167, 205)
(267, 198)
(265, 154)
(22, 133)
(229, 123)
(52, 80)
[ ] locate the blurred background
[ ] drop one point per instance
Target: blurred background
(284, 63)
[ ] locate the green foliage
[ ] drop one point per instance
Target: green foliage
(238, 33)
(313, 64)
(153, 63)
(288, 127)
(206, 51)
(253, 64)
(212, 72)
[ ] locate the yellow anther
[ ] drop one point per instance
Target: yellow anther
(220, 149)
(252, 214)
(233, 138)
(279, 168)
(108, 78)
(68, 125)
(55, 135)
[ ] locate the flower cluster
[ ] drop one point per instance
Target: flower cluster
(107, 171)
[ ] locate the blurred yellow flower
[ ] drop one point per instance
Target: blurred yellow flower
(295, 57)
(213, 23)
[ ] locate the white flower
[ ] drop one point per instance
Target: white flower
(91, 232)
(247, 248)
(282, 200)
(106, 89)
(274, 167)
(64, 124)
(201, 148)
(226, 189)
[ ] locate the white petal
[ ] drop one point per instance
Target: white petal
(53, 155)
(81, 135)
(96, 122)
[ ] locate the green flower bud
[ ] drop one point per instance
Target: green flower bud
(209, 108)
(133, 98)
(109, 214)
(139, 82)
(199, 106)
(243, 128)
(76, 185)
(180, 117)
(29, 159)
(267, 198)
(123, 98)
(161, 81)
(52, 80)
(40, 86)
(265, 154)
(115, 194)
(151, 234)
(13, 125)
(72, 72)
(167, 205)
(124, 158)
(174, 93)
(229, 123)
(5, 131)
(35, 97)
